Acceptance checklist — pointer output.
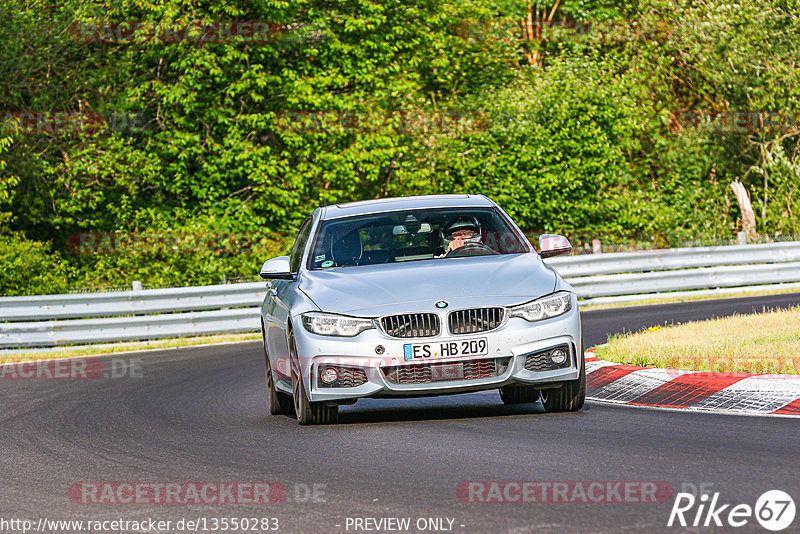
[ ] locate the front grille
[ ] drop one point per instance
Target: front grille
(424, 373)
(475, 320)
(348, 377)
(411, 325)
(540, 361)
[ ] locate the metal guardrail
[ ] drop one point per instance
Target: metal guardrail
(181, 299)
(55, 320)
(80, 331)
(685, 279)
(675, 258)
(629, 276)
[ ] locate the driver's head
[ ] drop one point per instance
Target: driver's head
(465, 229)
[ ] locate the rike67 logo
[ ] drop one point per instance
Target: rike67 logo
(774, 510)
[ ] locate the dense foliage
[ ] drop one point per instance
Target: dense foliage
(613, 120)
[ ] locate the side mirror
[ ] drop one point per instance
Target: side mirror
(553, 245)
(277, 269)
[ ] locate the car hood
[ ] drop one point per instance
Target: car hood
(374, 290)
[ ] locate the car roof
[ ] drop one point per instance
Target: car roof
(365, 207)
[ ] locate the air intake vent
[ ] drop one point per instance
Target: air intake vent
(541, 361)
(462, 370)
(475, 320)
(411, 325)
(347, 377)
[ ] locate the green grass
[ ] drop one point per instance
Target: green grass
(767, 342)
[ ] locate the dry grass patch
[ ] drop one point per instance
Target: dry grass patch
(767, 342)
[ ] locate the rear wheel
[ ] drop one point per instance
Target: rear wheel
(308, 413)
(570, 396)
(519, 394)
(279, 403)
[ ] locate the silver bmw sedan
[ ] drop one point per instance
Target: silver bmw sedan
(429, 295)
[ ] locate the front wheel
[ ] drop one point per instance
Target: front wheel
(308, 413)
(279, 403)
(570, 396)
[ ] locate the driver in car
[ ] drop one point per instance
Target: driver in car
(459, 233)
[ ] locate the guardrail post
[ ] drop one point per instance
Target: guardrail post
(742, 238)
(597, 246)
(136, 286)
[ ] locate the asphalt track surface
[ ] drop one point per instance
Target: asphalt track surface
(198, 414)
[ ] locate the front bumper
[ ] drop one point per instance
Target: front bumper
(505, 364)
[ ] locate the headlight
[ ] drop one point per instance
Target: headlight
(544, 308)
(327, 324)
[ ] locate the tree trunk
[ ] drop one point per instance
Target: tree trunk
(532, 28)
(748, 217)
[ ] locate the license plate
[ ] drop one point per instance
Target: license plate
(446, 349)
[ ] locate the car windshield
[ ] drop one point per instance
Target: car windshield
(412, 235)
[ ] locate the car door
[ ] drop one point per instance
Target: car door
(281, 295)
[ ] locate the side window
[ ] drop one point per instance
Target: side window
(299, 245)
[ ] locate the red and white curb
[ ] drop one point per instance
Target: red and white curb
(692, 390)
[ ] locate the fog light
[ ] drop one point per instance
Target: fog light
(558, 356)
(328, 375)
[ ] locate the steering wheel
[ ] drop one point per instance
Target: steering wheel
(470, 249)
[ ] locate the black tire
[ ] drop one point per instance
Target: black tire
(519, 394)
(570, 396)
(278, 403)
(308, 413)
